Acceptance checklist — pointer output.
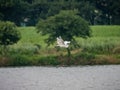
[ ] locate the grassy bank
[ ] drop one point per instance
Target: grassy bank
(102, 48)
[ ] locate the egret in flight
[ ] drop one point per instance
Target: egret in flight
(62, 43)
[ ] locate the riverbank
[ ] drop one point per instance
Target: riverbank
(100, 49)
(61, 60)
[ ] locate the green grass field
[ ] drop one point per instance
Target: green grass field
(104, 39)
(102, 48)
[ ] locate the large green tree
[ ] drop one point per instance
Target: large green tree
(66, 24)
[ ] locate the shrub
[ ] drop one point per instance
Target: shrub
(50, 60)
(8, 34)
(19, 60)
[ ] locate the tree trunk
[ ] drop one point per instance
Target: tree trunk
(68, 51)
(69, 56)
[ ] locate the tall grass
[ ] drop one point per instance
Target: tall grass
(31, 37)
(106, 31)
(105, 39)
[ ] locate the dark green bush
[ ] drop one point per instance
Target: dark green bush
(49, 60)
(8, 34)
(19, 60)
(84, 59)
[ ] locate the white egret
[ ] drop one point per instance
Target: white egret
(62, 43)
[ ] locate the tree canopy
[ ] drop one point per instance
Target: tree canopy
(66, 24)
(8, 33)
(30, 11)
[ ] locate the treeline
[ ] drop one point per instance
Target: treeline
(28, 12)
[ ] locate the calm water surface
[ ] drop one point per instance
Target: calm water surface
(61, 78)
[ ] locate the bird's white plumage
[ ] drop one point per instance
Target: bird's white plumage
(62, 43)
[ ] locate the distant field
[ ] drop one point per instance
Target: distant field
(30, 37)
(106, 31)
(103, 37)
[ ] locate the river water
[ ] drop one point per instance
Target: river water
(61, 78)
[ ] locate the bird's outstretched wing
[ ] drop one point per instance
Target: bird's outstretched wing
(60, 41)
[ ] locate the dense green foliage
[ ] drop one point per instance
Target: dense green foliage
(8, 33)
(30, 11)
(66, 24)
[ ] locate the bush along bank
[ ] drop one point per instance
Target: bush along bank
(58, 60)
